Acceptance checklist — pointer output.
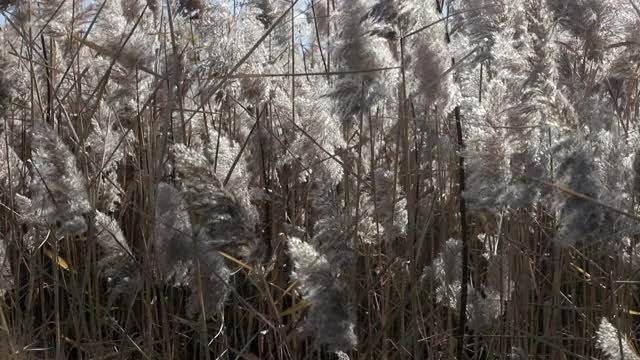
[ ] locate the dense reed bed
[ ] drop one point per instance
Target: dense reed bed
(319, 179)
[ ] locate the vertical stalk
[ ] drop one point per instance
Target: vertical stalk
(480, 89)
(293, 65)
(462, 319)
(317, 33)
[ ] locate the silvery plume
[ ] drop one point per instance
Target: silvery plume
(219, 222)
(173, 235)
(185, 262)
(581, 219)
(390, 206)
(485, 301)
(14, 174)
(117, 264)
(613, 344)
(329, 317)
(58, 189)
(6, 277)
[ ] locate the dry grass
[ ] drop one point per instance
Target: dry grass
(61, 304)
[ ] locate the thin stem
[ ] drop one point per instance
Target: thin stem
(462, 312)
